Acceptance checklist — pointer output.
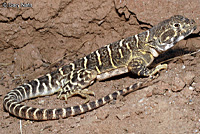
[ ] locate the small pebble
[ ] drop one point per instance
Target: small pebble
(141, 100)
(41, 102)
(191, 88)
(123, 116)
(183, 67)
(178, 84)
(6, 115)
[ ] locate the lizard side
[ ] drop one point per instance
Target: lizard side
(133, 54)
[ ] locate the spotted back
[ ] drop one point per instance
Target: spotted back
(105, 62)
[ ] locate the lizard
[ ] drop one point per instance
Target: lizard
(133, 54)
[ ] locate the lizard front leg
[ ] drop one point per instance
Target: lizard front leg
(138, 66)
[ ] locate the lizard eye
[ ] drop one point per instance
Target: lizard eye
(176, 25)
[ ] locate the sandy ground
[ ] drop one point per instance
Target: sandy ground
(45, 35)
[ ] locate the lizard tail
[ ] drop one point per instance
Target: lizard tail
(27, 112)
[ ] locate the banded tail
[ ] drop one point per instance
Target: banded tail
(12, 104)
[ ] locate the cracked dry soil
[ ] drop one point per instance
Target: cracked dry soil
(35, 40)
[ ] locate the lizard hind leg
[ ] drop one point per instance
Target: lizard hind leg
(77, 83)
(82, 92)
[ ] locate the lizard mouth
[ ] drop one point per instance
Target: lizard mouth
(186, 34)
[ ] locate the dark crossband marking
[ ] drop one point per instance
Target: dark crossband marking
(73, 111)
(103, 99)
(27, 112)
(58, 83)
(54, 113)
(98, 57)
(110, 96)
(147, 36)
(61, 71)
(85, 62)
(81, 108)
(14, 111)
(11, 106)
(110, 55)
(45, 88)
(89, 108)
(137, 41)
(121, 43)
(97, 103)
(20, 111)
(34, 114)
(19, 94)
(97, 69)
(37, 91)
(64, 112)
(71, 75)
(120, 52)
(72, 66)
(128, 47)
(133, 54)
(25, 93)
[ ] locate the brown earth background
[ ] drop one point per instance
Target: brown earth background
(36, 40)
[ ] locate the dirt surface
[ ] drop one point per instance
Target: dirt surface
(48, 34)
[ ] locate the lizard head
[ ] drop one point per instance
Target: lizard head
(167, 33)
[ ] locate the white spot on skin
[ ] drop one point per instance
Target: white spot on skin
(112, 73)
(180, 38)
(183, 67)
(141, 100)
(166, 46)
(154, 52)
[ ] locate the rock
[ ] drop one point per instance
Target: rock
(178, 84)
(188, 77)
(102, 114)
(6, 115)
(161, 88)
(197, 87)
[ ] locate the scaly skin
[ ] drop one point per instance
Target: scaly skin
(133, 54)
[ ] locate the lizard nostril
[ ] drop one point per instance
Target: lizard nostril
(192, 22)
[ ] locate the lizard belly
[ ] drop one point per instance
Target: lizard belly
(133, 54)
(112, 73)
